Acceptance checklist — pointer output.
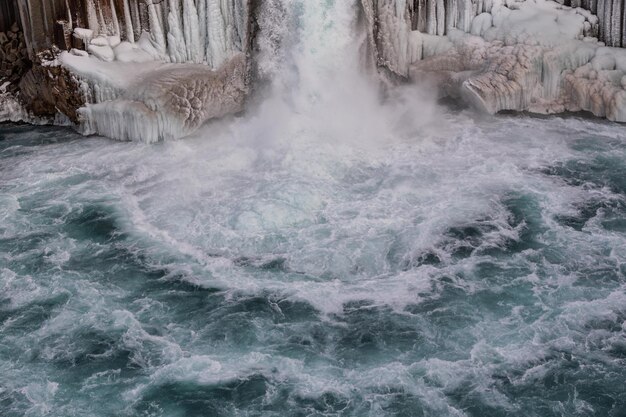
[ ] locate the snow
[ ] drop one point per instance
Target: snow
(100, 41)
(84, 34)
(128, 52)
(105, 52)
(79, 52)
(481, 24)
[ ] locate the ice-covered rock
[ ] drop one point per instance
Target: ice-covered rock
(197, 31)
(156, 101)
(162, 61)
(534, 55)
(481, 24)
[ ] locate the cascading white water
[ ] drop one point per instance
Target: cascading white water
(312, 55)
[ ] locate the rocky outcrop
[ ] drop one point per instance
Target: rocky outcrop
(49, 89)
(13, 57)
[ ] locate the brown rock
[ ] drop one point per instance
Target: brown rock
(63, 34)
(3, 38)
(78, 43)
(46, 90)
(15, 27)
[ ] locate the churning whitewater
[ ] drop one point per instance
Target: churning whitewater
(322, 255)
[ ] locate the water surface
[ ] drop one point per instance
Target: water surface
(472, 268)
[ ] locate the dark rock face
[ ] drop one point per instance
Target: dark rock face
(48, 89)
(14, 60)
(8, 14)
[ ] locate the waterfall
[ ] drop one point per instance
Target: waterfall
(311, 55)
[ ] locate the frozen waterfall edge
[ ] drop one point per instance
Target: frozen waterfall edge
(157, 70)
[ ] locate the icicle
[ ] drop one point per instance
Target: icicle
(431, 20)
(128, 23)
(241, 20)
(451, 15)
(227, 15)
(69, 14)
(216, 44)
(136, 19)
(600, 13)
(465, 15)
(92, 17)
(202, 27)
(175, 38)
(192, 32)
(624, 29)
(616, 23)
(156, 29)
(606, 24)
(441, 18)
(116, 23)
(422, 14)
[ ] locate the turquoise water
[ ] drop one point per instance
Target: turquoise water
(473, 268)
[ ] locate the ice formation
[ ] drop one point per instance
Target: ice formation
(156, 101)
(535, 55)
(157, 69)
(196, 31)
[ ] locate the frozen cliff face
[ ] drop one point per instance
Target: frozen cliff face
(534, 55)
(157, 69)
(155, 101)
(198, 31)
